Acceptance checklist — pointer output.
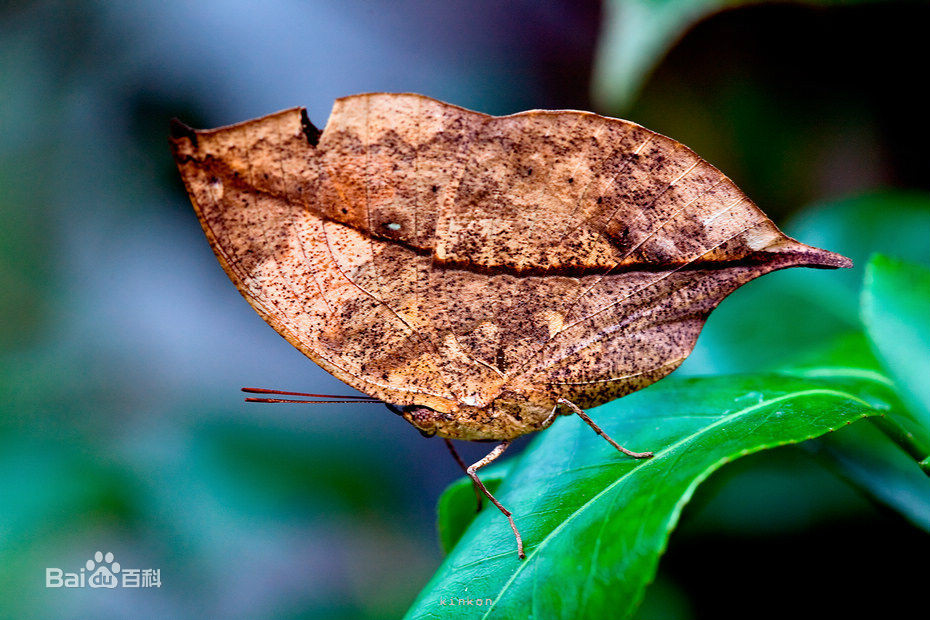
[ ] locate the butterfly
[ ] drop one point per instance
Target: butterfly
(480, 275)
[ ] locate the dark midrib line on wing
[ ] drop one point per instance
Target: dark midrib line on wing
(754, 258)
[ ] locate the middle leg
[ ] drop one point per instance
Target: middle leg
(492, 455)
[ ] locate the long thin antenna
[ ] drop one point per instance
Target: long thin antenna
(317, 402)
(283, 393)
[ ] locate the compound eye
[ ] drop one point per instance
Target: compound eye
(423, 418)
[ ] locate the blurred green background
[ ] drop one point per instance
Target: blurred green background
(123, 344)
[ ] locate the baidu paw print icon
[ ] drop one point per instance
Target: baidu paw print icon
(105, 575)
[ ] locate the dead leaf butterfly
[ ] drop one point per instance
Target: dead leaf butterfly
(478, 274)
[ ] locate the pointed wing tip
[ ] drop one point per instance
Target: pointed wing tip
(830, 260)
(842, 261)
(808, 256)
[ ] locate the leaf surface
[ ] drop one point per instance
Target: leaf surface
(896, 313)
(595, 523)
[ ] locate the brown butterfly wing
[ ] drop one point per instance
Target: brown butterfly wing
(426, 254)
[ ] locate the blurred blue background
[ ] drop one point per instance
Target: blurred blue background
(123, 345)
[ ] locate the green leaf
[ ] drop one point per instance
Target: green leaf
(636, 35)
(867, 458)
(896, 313)
(596, 522)
(867, 455)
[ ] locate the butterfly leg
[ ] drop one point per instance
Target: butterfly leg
(458, 459)
(597, 429)
(493, 454)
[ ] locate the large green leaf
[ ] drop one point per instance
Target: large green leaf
(881, 458)
(867, 458)
(595, 522)
(896, 313)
